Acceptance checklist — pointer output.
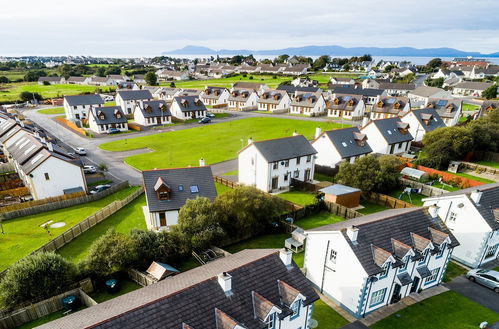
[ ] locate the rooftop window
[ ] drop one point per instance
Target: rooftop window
(194, 189)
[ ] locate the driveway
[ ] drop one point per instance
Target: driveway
(477, 293)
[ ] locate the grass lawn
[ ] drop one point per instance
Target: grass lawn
(231, 173)
(446, 187)
(496, 269)
(45, 319)
(415, 197)
(127, 218)
(478, 179)
(221, 188)
(54, 110)
(24, 234)
(489, 164)
(326, 317)
(126, 286)
(453, 270)
(370, 208)
(227, 82)
(317, 220)
(302, 198)
(445, 311)
(322, 177)
(214, 143)
(469, 107)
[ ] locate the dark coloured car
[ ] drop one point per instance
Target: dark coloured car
(112, 131)
(100, 188)
(204, 120)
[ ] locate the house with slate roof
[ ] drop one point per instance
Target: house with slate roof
(472, 215)
(369, 95)
(450, 110)
(274, 101)
(103, 118)
(128, 99)
(77, 107)
(421, 94)
(335, 146)
(150, 113)
(51, 80)
(341, 81)
(310, 104)
(487, 107)
(471, 88)
(78, 80)
(187, 107)
(214, 95)
(421, 121)
(102, 81)
(166, 94)
(291, 90)
(252, 289)
(372, 261)
(167, 190)
(242, 99)
(389, 107)
(388, 136)
(346, 106)
(270, 165)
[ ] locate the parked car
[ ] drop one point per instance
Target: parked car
(112, 131)
(487, 278)
(108, 99)
(80, 151)
(100, 188)
(89, 169)
(204, 120)
(210, 115)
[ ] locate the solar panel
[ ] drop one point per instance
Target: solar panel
(442, 102)
(194, 189)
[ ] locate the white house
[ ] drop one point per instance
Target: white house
(310, 104)
(102, 81)
(119, 78)
(242, 99)
(166, 94)
(421, 121)
(259, 88)
(172, 75)
(77, 107)
(270, 165)
(341, 81)
(450, 110)
(214, 95)
(51, 80)
(471, 88)
(187, 107)
(167, 190)
(472, 216)
(388, 136)
(371, 261)
(101, 119)
(389, 107)
(274, 101)
(128, 99)
(298, 69)
(151, 113)
(78, 80)
(396, 89)
(346, 106)
(334, 146)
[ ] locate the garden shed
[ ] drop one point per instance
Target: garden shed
(414, 174)
(160, 270)
(341, 194)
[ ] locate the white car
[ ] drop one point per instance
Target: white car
(108, 99)
(89, 169)
(487, 278)
(80, 151)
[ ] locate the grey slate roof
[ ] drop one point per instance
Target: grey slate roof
(397, 86)
(473, 85)
(284, 148)
(201, 177)
(446, 108)
(151, 109)
(367, 92)
(389, 129)
(433, 123)
(344, 102)
(487, 104)
(380, 228)
(389, 104)
(305, 99)
(189, 103)
(90, 99)
(292, 89)
(130, 95)
(272, 97)
(339, 189)
(110, 115)
(348, 136)
(426, 91)
(193, 299)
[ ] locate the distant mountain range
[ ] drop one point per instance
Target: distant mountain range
(333, 51)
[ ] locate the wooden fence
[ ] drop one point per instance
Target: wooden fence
(307, 186)
(386, 200)
(11, 184)
(38, 206)
(14, 192)
(225, 181)
(342, 211)
(35, 311)
(141, 278)
(71, 126)
(425, 189)
(480, 168)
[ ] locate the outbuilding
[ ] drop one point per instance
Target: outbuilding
(415, 174)
(341, 194)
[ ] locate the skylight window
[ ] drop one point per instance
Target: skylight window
(194, 189)
(389, 132)
(36, 158)
(442, 102)
(181, 187)
(344, 144)
(29, 149)
(390, 100)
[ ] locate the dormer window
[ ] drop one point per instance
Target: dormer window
(163, 195)
(425, 255)
(295, 307)
(163, 191)
(102, 117)
(385, 269)
(270, 321)
(405, 260)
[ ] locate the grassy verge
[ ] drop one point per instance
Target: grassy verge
(302, 198)
(55, 110)
(231, 173)
(326, 317)
(370, 208)
(445, 311)
(214, 143)
(317, 220)
(23, 235)
(478, 179)
(221, 189)
(453, 270)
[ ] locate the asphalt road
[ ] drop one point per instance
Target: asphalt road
(476, 292)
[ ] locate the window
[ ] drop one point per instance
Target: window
(433, 277)
(296, 174)
(309, 158)
(405, 260)
(163, 195)
(286, 177)
(492, 251)
(295, 307)
(332, 256)
(181, 187)
(378, 297)
(286, 163)
(441, 251)
(298, 160)
(452, 217)
(275, 165)
(270, 322)
(385, 270)
(47, 177)
(425, 255)
(194, 189)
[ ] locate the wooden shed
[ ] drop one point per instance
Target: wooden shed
(341, 194)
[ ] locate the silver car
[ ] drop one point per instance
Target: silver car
(488, 278)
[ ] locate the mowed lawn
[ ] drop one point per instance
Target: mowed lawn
(54, 110)
(227, 82)
(445, 311)
(302, 198)
(214, 143)
(492, 164)
(24, 235)
(124, 220)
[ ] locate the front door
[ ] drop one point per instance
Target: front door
(275, 183)
(392, 148)
(162, 219)
(396, 293)
(415, 284)
(307, 175)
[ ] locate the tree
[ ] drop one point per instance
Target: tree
(34, 75)
(439, 82)
(321, 62)
(36, 277)
(112, 252)
(389, 173)
(101, 71)
(147, 246)
(490, 92)
(434, 63)
(27, 96)
(281, 59)
(362, 174)
(365, 58)
(151, 78)
(4, 79)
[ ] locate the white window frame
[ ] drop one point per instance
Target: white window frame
(270, 321)
(333, 255)
(377, 297)
(434, 276)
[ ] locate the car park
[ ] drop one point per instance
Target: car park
(89, 169)
(100, 188)
(80, 151)
(487, 278)
(204, 120)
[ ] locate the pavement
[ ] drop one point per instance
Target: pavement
(476, 292)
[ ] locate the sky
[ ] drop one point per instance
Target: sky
(146, 28)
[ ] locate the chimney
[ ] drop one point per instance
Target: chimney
(50, 146)
(353, 232)
(318, 131)
(433, 210)
(476, 195)
(365, 121)
(225, 281)
(286, 256)
(295, 133)
(250, 141)
(201, 162)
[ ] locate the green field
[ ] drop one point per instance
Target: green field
(54, 110)
(24, 235)
(214, 143)
(317, 220)
(301, 198)
(445, 311)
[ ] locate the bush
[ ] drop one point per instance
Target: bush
(27, 96)
(34, 278)
(4, 79)
(46, 83)
(250, 77)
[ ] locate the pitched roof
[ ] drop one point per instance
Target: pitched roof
(194, 182)
(290, 89)
(77, 79)
(51, 79)
(284, 148)
(344, 102)
(339, 189)
(90, 99)
(366, 92)
(473, 85)
(249, 85)
(287, 293)
(428, 118)
(240, 95)
(189, 103)
(426, 91)
(397, 86)
(446, 108)
(112, 114)
(305, 99)
(272, 97)
(129, 95)
(261, 305)
(151, 109)
(193, 297)
(390, 129)
(348, 142)
(213, 92)
(390, 104)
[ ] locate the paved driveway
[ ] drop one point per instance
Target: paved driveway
(478, 293)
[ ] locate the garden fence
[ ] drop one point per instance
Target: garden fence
(342, 211)
(225, 181)
(386, 200)
(425, 189)
(480, 168)
(141, 278)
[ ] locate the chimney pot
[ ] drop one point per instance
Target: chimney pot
(250, 141)
(318, 131)
(201, 162)
(295, 133)
(286, 256)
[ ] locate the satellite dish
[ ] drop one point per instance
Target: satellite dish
(313, 323)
